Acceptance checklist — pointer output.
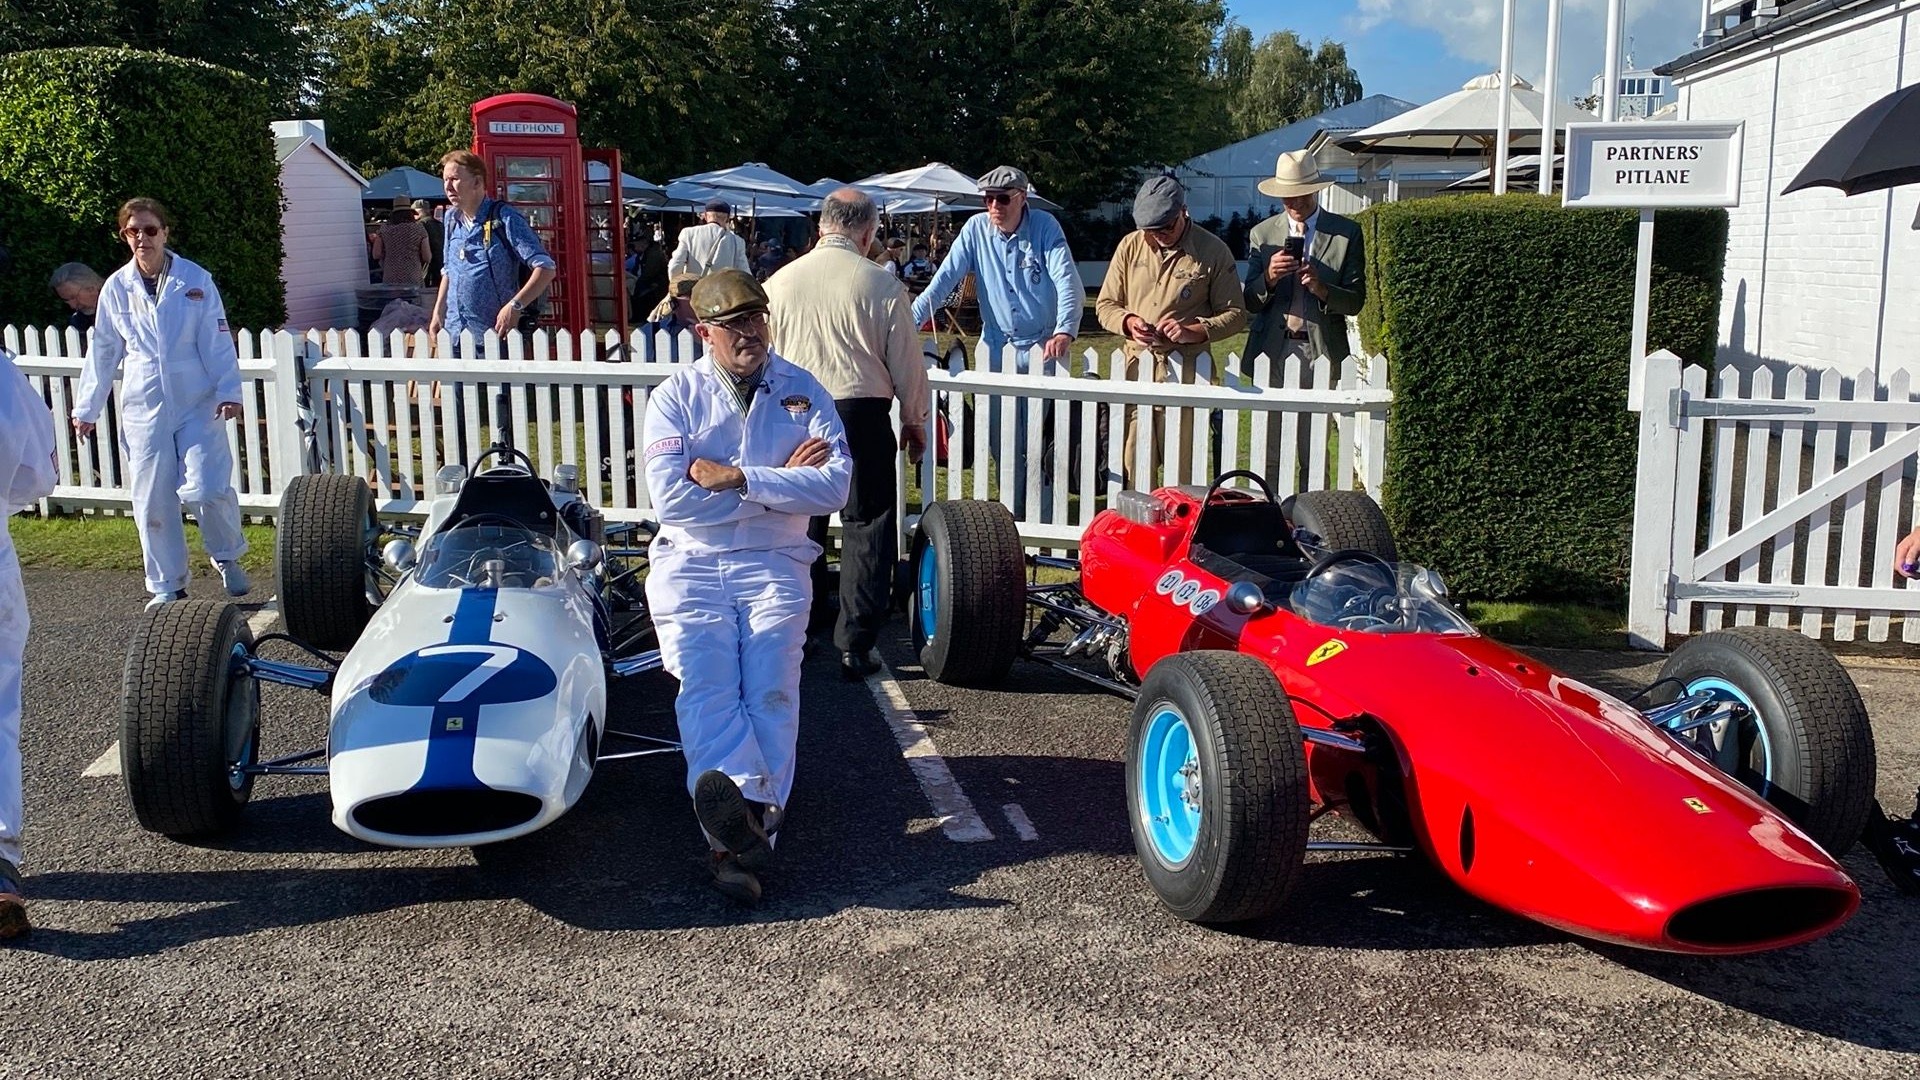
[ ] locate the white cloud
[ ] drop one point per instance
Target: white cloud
(1660, 30)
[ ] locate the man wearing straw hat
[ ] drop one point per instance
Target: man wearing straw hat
(1306, 272)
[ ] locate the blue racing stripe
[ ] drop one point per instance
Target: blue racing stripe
(456, 724)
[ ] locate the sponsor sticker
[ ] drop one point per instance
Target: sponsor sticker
(797, 404)
(1698, 806)
(1327, 651)
(456, 723)
(672, 444)
(196, 294)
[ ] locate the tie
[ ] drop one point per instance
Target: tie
(1297, 311)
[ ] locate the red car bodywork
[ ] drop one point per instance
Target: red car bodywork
(1533, 791)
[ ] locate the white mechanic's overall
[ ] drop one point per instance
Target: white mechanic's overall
(729, 584)
(179, 362)
(26, 474)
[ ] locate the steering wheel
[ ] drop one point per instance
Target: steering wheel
(1363, 610)
(515, 459)
(1338, 558)
(479, 558)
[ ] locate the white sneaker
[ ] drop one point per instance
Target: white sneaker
(161, 600)
(233, 576)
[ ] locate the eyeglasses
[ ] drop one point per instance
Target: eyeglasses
(745, 327)
(148, 231)
(995, 198)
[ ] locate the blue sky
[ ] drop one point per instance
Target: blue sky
(1423, 49)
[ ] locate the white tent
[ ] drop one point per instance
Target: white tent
(1465, 123)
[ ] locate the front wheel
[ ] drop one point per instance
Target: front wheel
(320, 554)
(1804, 744)
(1217, 790)
(188, 719)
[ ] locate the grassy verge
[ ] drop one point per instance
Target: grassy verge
(102, 542)
(1550, 626)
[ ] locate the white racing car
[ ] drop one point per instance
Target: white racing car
(471, 703)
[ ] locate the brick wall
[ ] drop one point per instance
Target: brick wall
(1816, 278)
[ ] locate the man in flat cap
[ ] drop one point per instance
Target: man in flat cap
(1030, 295)
(712, 246)
(741, 449)
(1172, 287)
(1306, 272)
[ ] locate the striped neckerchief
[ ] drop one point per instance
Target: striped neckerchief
(743, 387)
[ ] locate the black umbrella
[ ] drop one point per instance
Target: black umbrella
(1878, 149)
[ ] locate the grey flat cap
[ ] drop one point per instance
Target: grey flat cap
(1003, 177)
(1159, 201)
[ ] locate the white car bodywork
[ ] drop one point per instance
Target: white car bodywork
(472, 708)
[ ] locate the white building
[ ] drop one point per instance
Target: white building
(1221, 183)
(323, 239)
(1643, 91)
(1815, 278)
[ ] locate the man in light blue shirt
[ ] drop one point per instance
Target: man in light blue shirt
(1030, 298)
(1029, 287)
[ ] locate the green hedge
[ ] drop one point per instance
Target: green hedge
(1507, 323)
(82, 130)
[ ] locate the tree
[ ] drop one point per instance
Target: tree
(1280, 80)
(271, 40)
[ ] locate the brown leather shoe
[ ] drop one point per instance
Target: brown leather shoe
(734, 881)
(13, 906)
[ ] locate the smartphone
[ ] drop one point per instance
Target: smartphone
(1295, 246)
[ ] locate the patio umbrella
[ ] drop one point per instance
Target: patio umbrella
(944, 184)
(1520, 167)
(633, 190)
(1465, 123)
(1876, 150)
(404, 182)
(752, 178)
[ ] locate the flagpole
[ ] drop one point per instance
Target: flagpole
(1550, 94)
(1610, 94)
(1501, 148)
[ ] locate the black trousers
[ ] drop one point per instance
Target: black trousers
(869, 535)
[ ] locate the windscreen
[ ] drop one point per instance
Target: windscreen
(1371, 595)
(488, 556)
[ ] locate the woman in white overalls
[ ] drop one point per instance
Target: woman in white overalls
(161, 326)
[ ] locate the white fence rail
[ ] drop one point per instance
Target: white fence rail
(394, 409)
(1774, 499)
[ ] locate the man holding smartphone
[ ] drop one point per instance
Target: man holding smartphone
(1306, 272)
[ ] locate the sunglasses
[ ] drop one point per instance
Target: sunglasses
(995, 198)
(148, 231)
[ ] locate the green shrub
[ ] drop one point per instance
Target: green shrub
(82, 130)
(1507, 324)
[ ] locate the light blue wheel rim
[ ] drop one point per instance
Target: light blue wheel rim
(1170, 795)
(929, 593)
(1721, 744)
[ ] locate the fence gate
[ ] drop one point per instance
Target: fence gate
(1773, 499)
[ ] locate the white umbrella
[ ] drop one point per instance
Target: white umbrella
(632, 188)
(1523, 165)
(753, 178)
(1465, 123)
(943, 183)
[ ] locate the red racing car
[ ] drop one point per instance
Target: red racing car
(1284, 665)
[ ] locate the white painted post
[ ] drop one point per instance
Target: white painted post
(283, 430)
(1504, 128)
(1549, 96)
(1642, 300)
(1374, 468)
(1610, 93)
(1653, 506)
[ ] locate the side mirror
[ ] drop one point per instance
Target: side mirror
(1246, 598)
(585, 556)
(1429, 584)
(399, 555)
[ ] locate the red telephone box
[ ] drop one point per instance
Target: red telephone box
(531, 144)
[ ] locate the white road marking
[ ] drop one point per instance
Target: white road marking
(1022, 825)
(107, 764)
(262, 621)
(955, 811)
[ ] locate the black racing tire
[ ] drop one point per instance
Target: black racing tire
(1344, 520)
(1226, 844)
(187, 718)
(1812, 735)
(320, 553)
(970, 592)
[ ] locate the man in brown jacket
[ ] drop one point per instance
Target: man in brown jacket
(1171, 288)
(849, 322)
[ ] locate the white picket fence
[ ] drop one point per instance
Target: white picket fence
(1776, 500)
(393, 409)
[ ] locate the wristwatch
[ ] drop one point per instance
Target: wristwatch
(516, 305)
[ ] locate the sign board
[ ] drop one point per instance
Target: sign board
(1645, 164)
(524, 127)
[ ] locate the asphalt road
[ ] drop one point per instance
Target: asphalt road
(886, 948)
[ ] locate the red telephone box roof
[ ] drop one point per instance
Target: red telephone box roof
(525, 115)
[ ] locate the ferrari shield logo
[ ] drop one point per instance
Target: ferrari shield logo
(1326, 652)
(456, 723)
(1699, 807)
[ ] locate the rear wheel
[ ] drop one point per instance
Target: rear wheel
(1344, 520)
(188, 719)
(1217, 787)
(1804, 745)
(320, 552)
(969, 593)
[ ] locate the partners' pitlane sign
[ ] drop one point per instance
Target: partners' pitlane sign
(1645, 164)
